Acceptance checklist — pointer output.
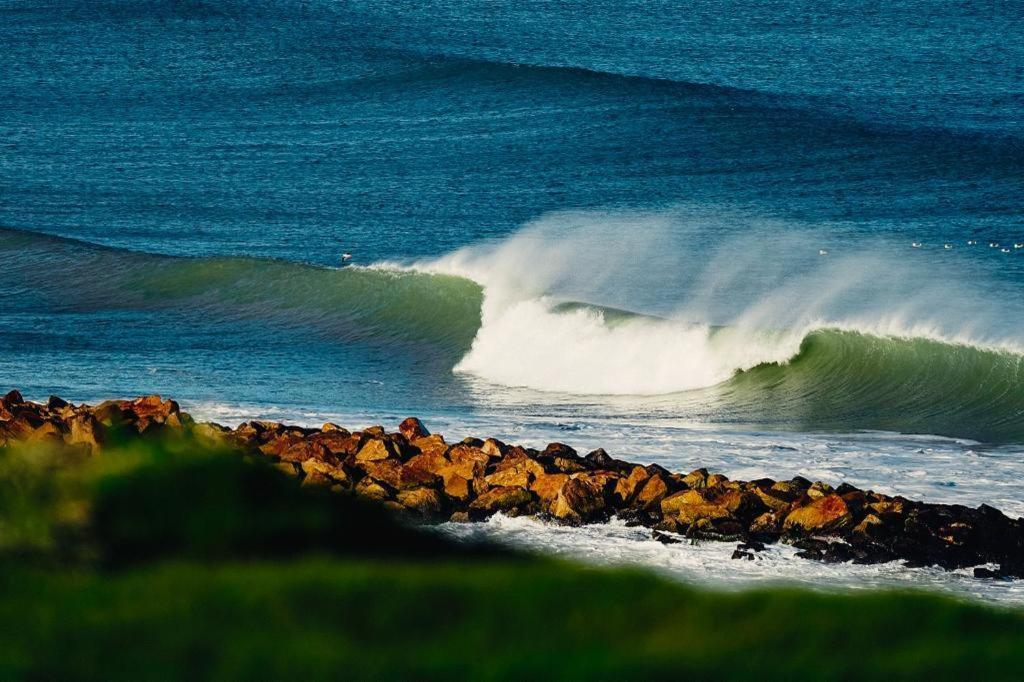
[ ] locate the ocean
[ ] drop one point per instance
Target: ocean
(769, 238)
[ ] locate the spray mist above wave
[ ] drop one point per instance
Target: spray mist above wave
(710, 294)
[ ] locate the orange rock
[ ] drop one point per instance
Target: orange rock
(547, 487)
(510, 476)
(627, 488)
(457, 487)
(824, 514)
(652, 493)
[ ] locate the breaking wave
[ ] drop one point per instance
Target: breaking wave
(497, 316)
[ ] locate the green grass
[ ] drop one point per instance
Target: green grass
(170, 561)
(319, 618)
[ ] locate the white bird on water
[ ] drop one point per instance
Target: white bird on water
(1018, 246)
(915, 245)
(993, 245)
(972, 242)
(345, 258)
(822, 252)
(947, 246)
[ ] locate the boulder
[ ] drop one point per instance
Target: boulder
(580, 500)
(457, 488)
(507, 499)
(413, 429)
(652, 493)
(516, 476)
(387, 471)
(493, 448)
(83, 429)
(432, 462)
(418, 477)
(741, 504)
(626, 489)
(547, 487)
(425, 502)
(11, 399)
(819, 490)
(340, 442)
(319, 472)
(823, 515)
(869, 527)
(369, 489)
(302, 449)
(431, 445)
(377, 449)
(517, 460)
(697, 478)
(776, 500)
(688, 507)
(769, 523)
(279, 443)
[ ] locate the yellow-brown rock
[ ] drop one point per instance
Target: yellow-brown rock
(580, 500)
(502, 499)
(627, 488)
(377, 449)
(424, 501)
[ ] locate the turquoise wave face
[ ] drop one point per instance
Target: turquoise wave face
(844, 380)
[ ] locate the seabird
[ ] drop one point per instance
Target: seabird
(1018, 246)
(915, 245)
(345, 257)
(947, 246)
(972, 242)
(993, 245)
(1005, 250)
(822, 252)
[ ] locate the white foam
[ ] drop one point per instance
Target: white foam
(767, 297)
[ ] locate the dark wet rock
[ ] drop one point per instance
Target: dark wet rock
(739, 554)
(412, 428)
(665, 538)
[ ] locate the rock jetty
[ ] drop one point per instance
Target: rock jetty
(420, 475)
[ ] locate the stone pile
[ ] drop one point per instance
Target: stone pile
(419, 474)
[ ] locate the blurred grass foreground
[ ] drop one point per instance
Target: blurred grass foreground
(173, 559)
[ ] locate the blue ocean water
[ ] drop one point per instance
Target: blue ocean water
(771, 237)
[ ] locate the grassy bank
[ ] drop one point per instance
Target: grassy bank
(171, 560)
(319, 618)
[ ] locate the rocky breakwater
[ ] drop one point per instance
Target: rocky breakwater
(420, 475)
